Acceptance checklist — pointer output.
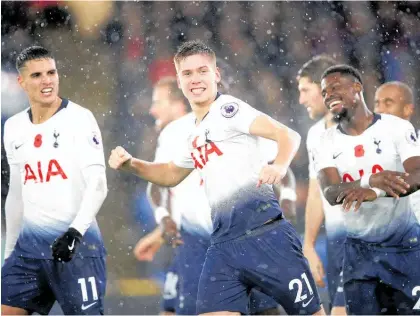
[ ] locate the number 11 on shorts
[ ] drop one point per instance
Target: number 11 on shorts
(82, 282)
(298, 282)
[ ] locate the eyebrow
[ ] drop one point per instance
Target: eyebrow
(195, 68)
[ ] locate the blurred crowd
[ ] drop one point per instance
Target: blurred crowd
(109, 55)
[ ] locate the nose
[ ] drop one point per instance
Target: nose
(46, 80)
(302, 99)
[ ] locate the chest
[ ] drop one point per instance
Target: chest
(355, 156)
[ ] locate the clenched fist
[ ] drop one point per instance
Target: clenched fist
(271, 174)
(119, 156)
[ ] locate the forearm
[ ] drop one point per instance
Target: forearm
(157, 173)
(332, 192)
(94, 195)
(159, 200)
(314, 217)
(288, 142)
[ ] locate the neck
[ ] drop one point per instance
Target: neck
(200, 110)
(329, 120)
(41, 113)
(359, 121)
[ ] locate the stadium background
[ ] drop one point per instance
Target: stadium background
(109, 54)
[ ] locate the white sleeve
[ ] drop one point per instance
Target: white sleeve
(323, 155)
(92, 165)
(93, 197)
(184, 159)
(14, 202)
(239, 115)
(89, 142)
(406, 140)
(311, 167)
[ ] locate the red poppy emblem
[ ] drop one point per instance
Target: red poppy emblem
(38, 141)
(359, 151)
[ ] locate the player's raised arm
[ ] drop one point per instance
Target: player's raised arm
(163, 174)
(14, 202)
(288, 142)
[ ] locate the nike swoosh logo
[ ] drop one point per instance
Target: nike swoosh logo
(307, 303)
(336, 155)
(87, 306)
(17, 147)
(72, 245)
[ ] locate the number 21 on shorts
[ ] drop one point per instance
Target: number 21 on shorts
(298, 282)
(416, 292)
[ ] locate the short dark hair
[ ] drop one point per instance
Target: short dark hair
(31, 53)
(190, 48)
(346, 70)
(315, 67)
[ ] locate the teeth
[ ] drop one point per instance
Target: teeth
(46, 90)
(334, 103)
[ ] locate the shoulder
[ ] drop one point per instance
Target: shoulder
(76, 109)
(228, 105)
(16, 121)
(178, 127)
(315, 132)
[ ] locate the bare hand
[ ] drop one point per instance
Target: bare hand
(392, 182)
(358, 195)
(170, 232)
(315, 264)
(118, 157)
(271, 174)
(147, 247)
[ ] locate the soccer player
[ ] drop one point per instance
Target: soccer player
(252, 246)
(186, 208)
(54, 248)
(317, 208)
(368, 164)
(397, 98)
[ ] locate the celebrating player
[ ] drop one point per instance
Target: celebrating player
(397, 98)
(368, 163)
(54, 248)
(188, 209)
(309, 85)
(252, 246)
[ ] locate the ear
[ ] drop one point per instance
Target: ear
(20, 81)
(177, 81)
(218, 77)
(408, 111)
(358, 87)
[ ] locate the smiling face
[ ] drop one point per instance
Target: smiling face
(39, 79)
(198, 77)
(341, 95)
(310, 96)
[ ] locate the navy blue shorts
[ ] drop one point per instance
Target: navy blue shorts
(335, 253)
(380, 280)
(171, 288)
(190, 257)
(35, 284)
(268, 259)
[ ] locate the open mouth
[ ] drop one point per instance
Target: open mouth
(47, 91)
(335, 104)
(197, 91)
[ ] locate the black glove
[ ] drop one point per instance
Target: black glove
(64, 247)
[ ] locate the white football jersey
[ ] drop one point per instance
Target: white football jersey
(385, 145)
(51, 157)
(189, 204)
(229, 162)
(334, 218)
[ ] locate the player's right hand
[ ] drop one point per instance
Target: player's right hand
(118, 157)
(147, 247)
(170, 232)
(392, 182)
(315, 264)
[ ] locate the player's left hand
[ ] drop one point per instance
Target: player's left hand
(358, 196)
(271, 174)
(64, 247)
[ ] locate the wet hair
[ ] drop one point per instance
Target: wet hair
(315, 67)
(345, 70)
(31, 53)
(193, 48)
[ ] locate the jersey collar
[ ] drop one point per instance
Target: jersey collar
(63, 105)
(376, 117)
(217, 96)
